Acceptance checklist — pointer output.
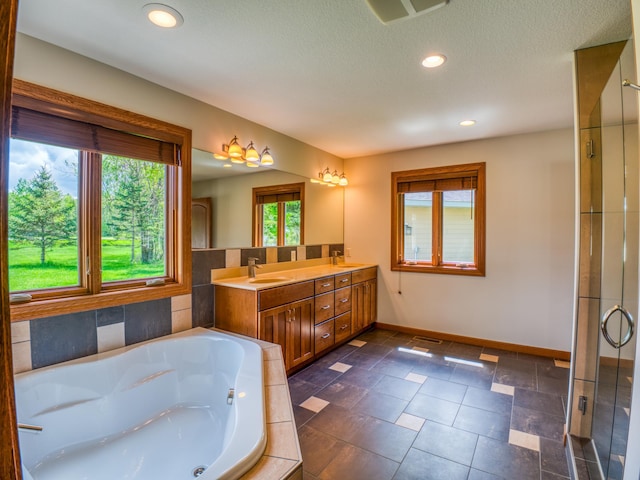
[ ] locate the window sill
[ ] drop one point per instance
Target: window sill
(472, 271)
(60, 306)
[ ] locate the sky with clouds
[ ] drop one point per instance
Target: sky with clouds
(26, 158)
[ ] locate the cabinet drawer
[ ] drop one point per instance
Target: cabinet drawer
(324, 307)
(358, 276)
(274, 297)
(325, 336)
(324, 285)
(342, 326)
(342, 300)
(343, 280)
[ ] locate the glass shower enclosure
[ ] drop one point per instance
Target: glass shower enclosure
(607, 303)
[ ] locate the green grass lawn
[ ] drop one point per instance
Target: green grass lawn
(61, 266)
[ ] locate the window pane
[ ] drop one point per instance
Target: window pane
(270, 224)
(418, 226)
(133, 219)
(292, 223)
(43, 216)
(458, 226)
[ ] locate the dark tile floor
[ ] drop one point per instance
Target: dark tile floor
(389, 406)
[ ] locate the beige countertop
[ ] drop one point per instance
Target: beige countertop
(278, 278)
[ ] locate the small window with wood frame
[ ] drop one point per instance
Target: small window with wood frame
(99, 205)
(438, 220)
(278, 215)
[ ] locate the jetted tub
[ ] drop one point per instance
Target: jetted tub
(182, 406)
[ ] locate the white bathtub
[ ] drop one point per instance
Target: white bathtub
(155, 410)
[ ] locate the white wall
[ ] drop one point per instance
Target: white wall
(526, 296)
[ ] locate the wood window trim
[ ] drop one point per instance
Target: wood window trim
(9, 447)
(275, 190)
(398, 179)
(29, 95)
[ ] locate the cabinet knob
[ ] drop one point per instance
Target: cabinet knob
(326, 284)
(326, 307)
(326, 335)
(344, 327)
(344, 300)
(344, 280)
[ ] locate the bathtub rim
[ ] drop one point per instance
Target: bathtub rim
(221, 464)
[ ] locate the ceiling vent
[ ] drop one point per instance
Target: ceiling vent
(391, 10)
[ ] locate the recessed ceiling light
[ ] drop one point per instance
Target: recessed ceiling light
(163, 15)
(433, 61)
(467, 123)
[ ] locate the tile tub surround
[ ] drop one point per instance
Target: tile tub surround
(46, 341)
(388, 406)
(282, 458)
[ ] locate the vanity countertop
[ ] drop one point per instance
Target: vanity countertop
(286, 277)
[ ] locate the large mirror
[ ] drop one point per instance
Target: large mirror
(230, 191)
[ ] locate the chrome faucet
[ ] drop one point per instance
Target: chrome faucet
(252, 266)
(334, 258)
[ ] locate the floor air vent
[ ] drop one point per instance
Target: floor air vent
(428, 339)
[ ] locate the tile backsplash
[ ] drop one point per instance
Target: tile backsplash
(47, 341)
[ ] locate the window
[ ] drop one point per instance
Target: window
(278, 215)
(438, 220)
(98, 199)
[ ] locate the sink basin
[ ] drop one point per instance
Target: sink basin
(268, 280)
(347, 265)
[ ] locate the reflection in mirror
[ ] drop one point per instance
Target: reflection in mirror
(230, 191)
(201, 223)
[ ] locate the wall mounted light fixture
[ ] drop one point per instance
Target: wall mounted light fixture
(234, 152)
(325, 177)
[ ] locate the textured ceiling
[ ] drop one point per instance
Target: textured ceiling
(329, 73)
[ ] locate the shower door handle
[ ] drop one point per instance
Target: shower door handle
(603, 326)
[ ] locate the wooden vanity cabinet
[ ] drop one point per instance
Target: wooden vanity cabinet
(306, 318)
(364, 293)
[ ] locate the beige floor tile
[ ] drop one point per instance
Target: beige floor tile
(489, 358)
(500, 388)
(340, 367)
(410, 421)
(525, 440)
(416, 378)
(314, 404)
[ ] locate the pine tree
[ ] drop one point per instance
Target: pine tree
(134, 195)
(40, 214)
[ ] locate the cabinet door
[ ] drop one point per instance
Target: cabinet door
(357, 307)
(291, 327)
(363, 305)
(370, 302)
(300, 334)
(273, 326)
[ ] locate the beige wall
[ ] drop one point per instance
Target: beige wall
(45, 64)
(526, 296)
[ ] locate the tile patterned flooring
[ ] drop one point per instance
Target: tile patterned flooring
(389, 406)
